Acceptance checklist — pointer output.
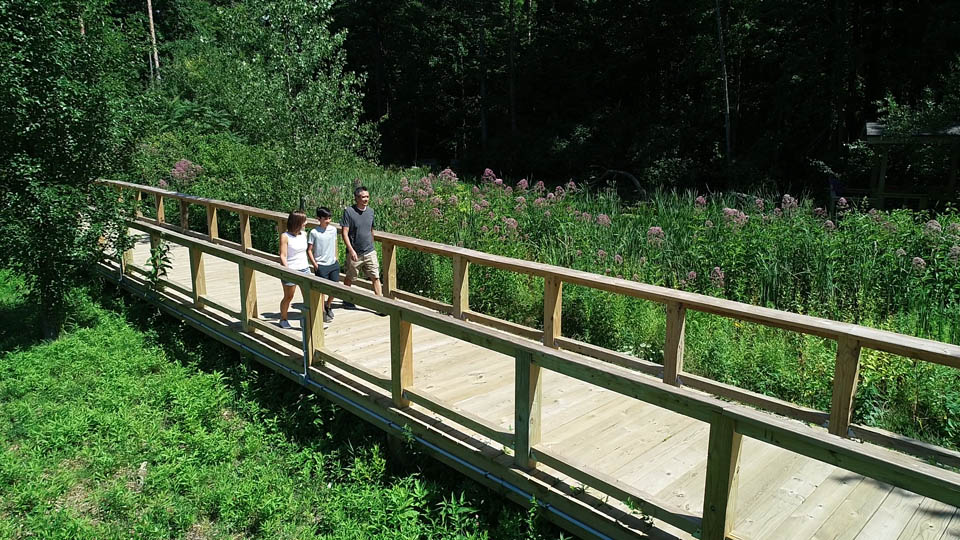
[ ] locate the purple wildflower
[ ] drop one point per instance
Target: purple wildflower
(185, 171)
(843, 203)
(510, 222)
(436, 200)
(491, 215)
(819, 212)
(539, 186)
(484, 228)
(496, 229)
(484, 203)
(777, 212)
(603, 220)
(162, 184)
(788, 202)
(901, 252)
(655, 236)
(691, 275)
(477, 208)
(508, 190)
(618, 259)
(448, 175)
(954, 228)
(919, 263)
(700, 201)
(954, 254)
(421, 194)
(539, 201)
(404, 181)
(426, 181)
(829, 225)
(407, 203)
(476, 190)
(488, 176)
(708, 224)
(734, 216)
(717, 276)
(436, 213)
(498, 181)
(758, 202)
(601, 254)
(522, 184)
(521, 200)
(453, 200)
(551, 196)
(933, 227)
(546, 213)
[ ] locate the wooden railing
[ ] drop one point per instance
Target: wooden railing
(613, 371)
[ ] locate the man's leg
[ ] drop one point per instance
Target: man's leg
(376, 287)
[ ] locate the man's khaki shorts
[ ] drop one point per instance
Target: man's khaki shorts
(367, 264)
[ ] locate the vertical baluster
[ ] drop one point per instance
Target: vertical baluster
(401, 358)
(198, 278)
(184, 215)
(845, 375)
(312, 325)
(673, 347)
(723, 473)
(529, 393)
(389, 268)
(248, 279)
(461, 286)
(552, 304)
(161, 214)
(213, 231)
(138, 199)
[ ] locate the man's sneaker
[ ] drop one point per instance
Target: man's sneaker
(285, 324)
(348, 305)
(327, 318)
(328, 311)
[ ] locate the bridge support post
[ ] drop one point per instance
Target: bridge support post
(312, 324)
(845, 375)
(723, 472)
(184, 215)
(389, 268)
(461, 287)
(401, 358)
(673, 347)
(161, 215)
(248, 297)
(552, 306)
(213, 232)
(529, 392)
(198, 278)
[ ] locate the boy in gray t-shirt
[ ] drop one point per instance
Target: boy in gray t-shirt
(322, 252)
(356, 228)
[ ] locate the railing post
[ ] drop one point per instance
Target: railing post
(281, 226)
(161, 214)
(529, 392)
(212, 230)
(138, 198)
(389, 268)
(401, 358)
(246, 237)
(312, 325)
(197, 278)
(248, 297)
(845, 374)
(184, 215)
(461, 286)
(552, 304)
(723, 472)
(673, 347)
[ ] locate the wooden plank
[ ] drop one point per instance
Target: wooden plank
(528, 403)
(460, 416)
(213, 230)
(552, 306)
(461, 287)
(910, 446)
(313, 324)
(389, 268)
(158, 201)
(846, 371)
(506, 326)
(184, 215)
(889, 520)
(723, 470)
(276, 332)
(612, 357)
(673, 346)
(754, 399)
(207, 301)
(430, 303)
(850, 516)
(248, 297)
(401, 359)
(883, 465)
(645, 502)
(198, 277)
(953, 528)
(929, 522)
(326, 356)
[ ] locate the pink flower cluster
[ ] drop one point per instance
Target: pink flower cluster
(655, 236)
(185, 171)
(735, 217)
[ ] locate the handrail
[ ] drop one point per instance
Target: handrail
(728, 422)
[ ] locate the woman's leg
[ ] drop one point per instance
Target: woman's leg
(288, 292)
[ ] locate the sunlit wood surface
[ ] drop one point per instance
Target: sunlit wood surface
(781, 495)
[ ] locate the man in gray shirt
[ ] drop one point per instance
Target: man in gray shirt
(356, 227)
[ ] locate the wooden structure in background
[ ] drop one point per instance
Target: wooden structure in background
(878, 192)
(600, 438)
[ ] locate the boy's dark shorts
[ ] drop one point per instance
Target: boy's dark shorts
(330, 271)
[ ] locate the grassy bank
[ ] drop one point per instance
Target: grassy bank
(132, 426)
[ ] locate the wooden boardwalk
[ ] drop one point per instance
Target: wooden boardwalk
(585, 427)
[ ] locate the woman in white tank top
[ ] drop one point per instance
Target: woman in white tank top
(293, 255)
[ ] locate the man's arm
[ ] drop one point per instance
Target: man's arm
(345, 233)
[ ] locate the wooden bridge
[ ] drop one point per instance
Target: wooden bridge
(610, 445)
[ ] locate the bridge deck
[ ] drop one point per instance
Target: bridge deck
(781, 494)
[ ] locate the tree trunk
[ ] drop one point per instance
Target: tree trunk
(726, 87)
(153, 39)
(513, 67)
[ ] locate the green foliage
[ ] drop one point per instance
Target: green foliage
(120, 437)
